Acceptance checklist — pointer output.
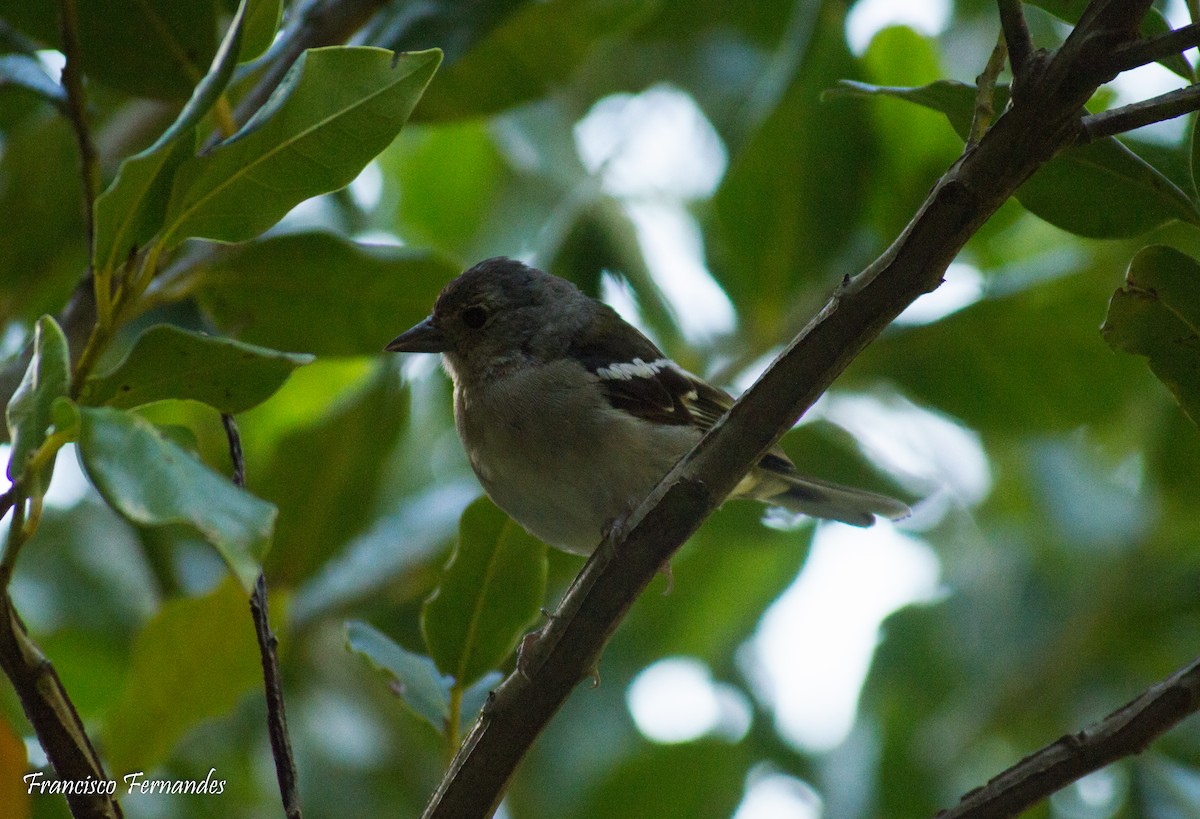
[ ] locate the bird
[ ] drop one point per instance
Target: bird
(569, 415)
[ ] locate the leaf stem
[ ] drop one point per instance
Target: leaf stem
(96, 343)
(126, 303)
(985, 92)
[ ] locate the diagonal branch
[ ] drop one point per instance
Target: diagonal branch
(1126, 118)
(1156, 48)
(43, 697)
(54, 718)
(1126, 731)
(1040, 123)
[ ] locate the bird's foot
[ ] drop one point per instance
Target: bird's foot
(665, 571)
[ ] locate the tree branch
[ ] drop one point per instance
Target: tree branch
(1127, 731)
(43, 696)
(281, 744)
(1040, 123)
(72, 80)
(1126, 118)
(1016, 37)
(53, 716)
(1156, 48)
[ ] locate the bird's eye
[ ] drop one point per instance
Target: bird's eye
(475, 316)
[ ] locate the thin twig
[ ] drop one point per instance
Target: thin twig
(1147, 112)
(72, 80)
(1126, 731)
(236, 458)
(1016, 37)
(281, 745)
(1156, 48)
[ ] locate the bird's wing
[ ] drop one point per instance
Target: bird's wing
(636, 377)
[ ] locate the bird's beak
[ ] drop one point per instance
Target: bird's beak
(425, 337)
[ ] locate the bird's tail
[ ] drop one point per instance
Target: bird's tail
(821, 499)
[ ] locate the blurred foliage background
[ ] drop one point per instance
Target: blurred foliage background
(677, 159)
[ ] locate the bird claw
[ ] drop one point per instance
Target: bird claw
(528, 645)
(525, 652)
(610, 533)
(613, 529)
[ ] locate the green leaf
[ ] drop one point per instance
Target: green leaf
(825, 450)
(131, 209)
(43, 250)
(47, 378)
(1100, 190)
(1167, 787)
(492, 590)
(93, 571)
(437, 209)
(337, 109)
(1193, 153)
(152, 48)
(25, 71)
(262, 22)
(169, 362)
(476, 696)
(1154, 24)
(531, 52)
(352, 443)
(1157, 315)
(194, 661)
(1104, 190)
(954, 99)
(916, 147)
(322, 294)
(997, 374)
(412, 677)
(793, 195)
(372, 564)
(151, 481)
(731, 571)
(602, 239)
(693, 780)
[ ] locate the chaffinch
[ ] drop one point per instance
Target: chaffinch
(570, 416)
